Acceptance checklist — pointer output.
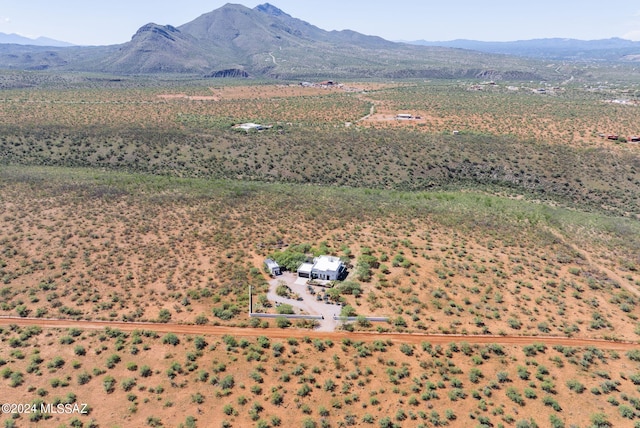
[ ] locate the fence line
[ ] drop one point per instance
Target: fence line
(370, 319)
(288, 316)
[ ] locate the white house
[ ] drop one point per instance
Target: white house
(273, 266)
(249, 126)
(327, 268)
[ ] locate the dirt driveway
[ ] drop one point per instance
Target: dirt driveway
(309, 303)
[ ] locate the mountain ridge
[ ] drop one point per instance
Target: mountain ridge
(17, 39)
(554, 48)
(266, 42)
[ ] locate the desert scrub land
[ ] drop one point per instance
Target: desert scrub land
(133, 200)
(145, 378)
(564, 115)
(545, 146)
(85, 244)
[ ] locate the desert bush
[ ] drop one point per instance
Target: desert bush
(127, 384)
(164, 316)
(285, 309)
(56, 363)
(575, 386)
(84, 378)
(113, 360)
(514, 396)
(227, 382)
(145, 371)
(547, 400)
(171, 339)
(282, 322)
(599, 420)
(109, 384)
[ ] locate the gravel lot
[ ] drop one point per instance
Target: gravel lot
(309, 304)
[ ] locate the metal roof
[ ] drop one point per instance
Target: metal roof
(271, 263)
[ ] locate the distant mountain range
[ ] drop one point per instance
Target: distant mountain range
(236, 41)
(40, 41)
(614, 49)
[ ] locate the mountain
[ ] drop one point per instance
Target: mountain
(157, 49)
(614, 49)
(40, 41)
(267, 42)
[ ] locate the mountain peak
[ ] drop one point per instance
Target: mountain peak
(270, 9)
(162, 31)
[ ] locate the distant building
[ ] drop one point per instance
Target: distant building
(251, 126)
(327, 268)
(634, 139)
(404, 116)
(273, 267)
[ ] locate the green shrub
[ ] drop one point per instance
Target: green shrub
(113, 360)
(547, 400)
(109, 384)
(145, 371)
(128, 384)
(282, 322)
(599, 420)
(515, 396)
(227, 382)
(84, 378)
(304, 390)
(556, 422)
(16, 379)
(170, 339)
(164, 316)
(56, 363)
(575, 386)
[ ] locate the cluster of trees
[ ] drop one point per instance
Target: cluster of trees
(294, 255)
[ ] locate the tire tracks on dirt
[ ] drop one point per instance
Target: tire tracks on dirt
(592, 263)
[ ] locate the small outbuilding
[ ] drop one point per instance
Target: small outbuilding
(273, 267)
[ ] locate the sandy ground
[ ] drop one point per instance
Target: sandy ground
(309, 304)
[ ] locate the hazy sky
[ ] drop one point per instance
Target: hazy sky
(103, 22)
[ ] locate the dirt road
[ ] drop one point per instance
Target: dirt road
(413, 338)
(591, 262)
